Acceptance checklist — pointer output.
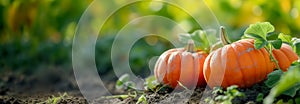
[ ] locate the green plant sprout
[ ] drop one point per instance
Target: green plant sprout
(227, 96)
(142, 100)
(124, 83)
(133, 95)
(54, 99)
(151, 83)
(259, 97)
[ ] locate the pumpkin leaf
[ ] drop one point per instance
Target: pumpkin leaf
(273, 78)
(285, 85)
(200, 40)
(279, 101)
(292, 91)
(259, 97)
(261, 29)
(291, 101)
(184, 38)
(251, 35)
(296, 45)
(297, 48)
(276, 43)
(264, 37)
(260, 43)
(297, 100)
(285, 38)
(272, 36)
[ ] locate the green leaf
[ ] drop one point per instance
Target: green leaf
(276, 43)
(272, 36)
(133, 95)
(251, 35)
(199, 37)
(233, 87)
(142, 100)
(119, 84)
(124, 83)
(291, 101)
(273, 78)
(124, 78)
(217, 90)
(279, 101)
(184, 38)
(260, 97)
(261, 29)
(151, 82)
(200, 40)
(260, 43)
(285, 38)
(129, 84)
(297, 100)
(292, 91)
(220, 97)
(296, 45)
(286, 82)
(225, 97)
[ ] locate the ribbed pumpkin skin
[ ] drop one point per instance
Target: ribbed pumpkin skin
(285, 56)
(239, 62)
(176, 63)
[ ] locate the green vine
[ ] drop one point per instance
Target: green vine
(272, 56)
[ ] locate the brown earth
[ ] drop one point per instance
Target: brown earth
(45, 85)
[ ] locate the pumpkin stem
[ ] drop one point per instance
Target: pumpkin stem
(223, 36)
(224, 40)
(191, 46)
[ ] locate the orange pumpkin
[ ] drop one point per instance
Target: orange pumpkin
(183, 65)
(238, 63)
(241, 64)
(285, 56)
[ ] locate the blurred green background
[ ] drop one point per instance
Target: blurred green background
(35, 33)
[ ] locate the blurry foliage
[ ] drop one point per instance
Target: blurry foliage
(283, 14)
(143, 51)
(40, 32)
(37, 32)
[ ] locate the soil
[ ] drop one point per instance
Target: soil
(38, 87)
(197, 97)
(45, 85)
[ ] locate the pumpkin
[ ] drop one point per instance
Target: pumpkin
(285, 56)
(241, 64)
(182, 65)
(238, 63)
